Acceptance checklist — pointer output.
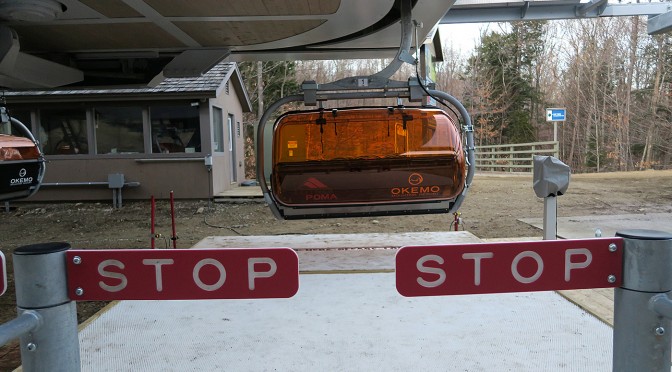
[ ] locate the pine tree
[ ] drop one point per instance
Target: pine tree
(505, 64)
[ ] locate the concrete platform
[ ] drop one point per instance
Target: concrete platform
(584, 226)
(342, 252)
(348, 322)
(242, 192)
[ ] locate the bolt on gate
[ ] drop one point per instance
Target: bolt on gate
(49, 277)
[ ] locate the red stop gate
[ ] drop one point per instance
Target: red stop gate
(509, 267)
(182, 274)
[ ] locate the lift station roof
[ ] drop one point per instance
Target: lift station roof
(138, 41)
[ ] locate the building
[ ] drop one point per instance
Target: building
(157, 137)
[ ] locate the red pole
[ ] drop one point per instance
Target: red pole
(153, 207)
(172, 217)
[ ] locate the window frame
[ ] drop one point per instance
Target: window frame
(198, 128)
(94, 109)
(36, 114)
(37, 127)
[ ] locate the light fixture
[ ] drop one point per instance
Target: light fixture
(30, 10)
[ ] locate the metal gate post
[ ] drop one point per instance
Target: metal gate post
(642, 333)
(41, 286)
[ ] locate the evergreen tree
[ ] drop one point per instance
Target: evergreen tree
(505, 63)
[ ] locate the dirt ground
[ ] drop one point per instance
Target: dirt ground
(491, 210)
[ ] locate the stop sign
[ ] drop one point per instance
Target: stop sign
(182, 274)
(509, 267)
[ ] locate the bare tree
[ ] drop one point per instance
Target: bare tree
(614, 79)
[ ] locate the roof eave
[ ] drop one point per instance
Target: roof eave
(236, 77)
(110, 97)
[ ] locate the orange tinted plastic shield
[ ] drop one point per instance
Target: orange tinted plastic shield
(17, 148)
(366, 156)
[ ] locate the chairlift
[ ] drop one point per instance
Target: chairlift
(367, 161)
(366, 156)
(22, 163)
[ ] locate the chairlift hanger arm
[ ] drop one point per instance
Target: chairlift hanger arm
(261, 176)
(471, 148)
(395, 89)
(381, 79)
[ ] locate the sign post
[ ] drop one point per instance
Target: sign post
(555, 115)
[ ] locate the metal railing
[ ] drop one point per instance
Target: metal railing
(516, 157)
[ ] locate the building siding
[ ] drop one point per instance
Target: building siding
(157, 173)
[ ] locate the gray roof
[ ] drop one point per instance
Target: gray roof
(209, 85)
(208, 82)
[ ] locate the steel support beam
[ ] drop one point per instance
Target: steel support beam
(660, 24)
(584, 9)
(536, 11)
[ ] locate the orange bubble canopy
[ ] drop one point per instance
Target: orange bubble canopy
(364, 156)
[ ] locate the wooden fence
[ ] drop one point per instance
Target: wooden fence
(512, 157)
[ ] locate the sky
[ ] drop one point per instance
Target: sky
(462, 36)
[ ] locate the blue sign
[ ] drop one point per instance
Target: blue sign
(555, 114)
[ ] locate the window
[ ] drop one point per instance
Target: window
(118, 130)
(63, 131)
(175, 129)
(218, 126)
(226, 88)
